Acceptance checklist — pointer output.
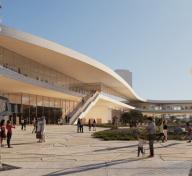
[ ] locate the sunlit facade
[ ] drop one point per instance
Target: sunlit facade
(42, 78)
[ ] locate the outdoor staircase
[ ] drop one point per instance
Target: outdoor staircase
(84, 108)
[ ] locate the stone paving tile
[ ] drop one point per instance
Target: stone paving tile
(69, 153)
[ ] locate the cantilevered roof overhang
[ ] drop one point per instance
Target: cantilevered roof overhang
(13, 82)
(65, 61)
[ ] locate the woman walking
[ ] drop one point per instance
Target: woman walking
(41, 129)
(94, 125)
(165, 130)
(9, 127)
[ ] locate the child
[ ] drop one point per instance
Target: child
(141, 143)
(9, 132)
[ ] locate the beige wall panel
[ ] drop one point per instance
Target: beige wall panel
(100, 113)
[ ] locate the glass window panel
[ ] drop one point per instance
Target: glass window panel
(39, 101)
(33, 100)
(52, 103)
(25, 99)
(46, 102)
(57, 103)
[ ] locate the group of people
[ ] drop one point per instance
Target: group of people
(38, 127)
(39, 124)
(91, 124)
(23, 124)
(6, 132)
(67, 119)
(162, 135)
(152, 136)
(79, 125)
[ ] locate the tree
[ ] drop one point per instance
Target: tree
(132, 117)
(115, 120)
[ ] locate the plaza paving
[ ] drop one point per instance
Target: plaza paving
(69, 153)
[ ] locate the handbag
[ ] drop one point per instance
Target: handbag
(38, 135)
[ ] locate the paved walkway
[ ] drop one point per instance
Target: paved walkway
(69, 153)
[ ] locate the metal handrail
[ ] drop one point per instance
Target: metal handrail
(82, 109)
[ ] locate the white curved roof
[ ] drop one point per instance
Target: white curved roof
(65, 60)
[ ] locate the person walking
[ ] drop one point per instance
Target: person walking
(78, 125)
(3, 131)
(9, 127)
(165, 130)
(189, 132)
(161, 134)
(89, 124)
(66, 119)
(94, 125)
(34, 125)
(22, 124)
(41, 123)
(83, 100)
(141, 143)
(81, 126)
(151, 130)
(25, 124)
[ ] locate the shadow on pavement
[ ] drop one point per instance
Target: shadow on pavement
(6, 167)
(169, 145)
(115, 148)
(131, 146)
(89, 167)
(24, 143)
(190, 173)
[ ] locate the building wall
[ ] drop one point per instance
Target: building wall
(35, 70)
(101, 114)
(126, 75)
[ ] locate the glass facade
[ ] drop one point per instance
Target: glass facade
(30, 106)
(164, 107)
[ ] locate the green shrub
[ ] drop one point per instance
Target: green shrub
(131, 134)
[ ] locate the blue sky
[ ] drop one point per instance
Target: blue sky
(151, 38)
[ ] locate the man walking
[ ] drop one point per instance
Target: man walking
(151, 129)
(189, 132)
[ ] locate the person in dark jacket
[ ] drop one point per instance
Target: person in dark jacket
(89, 124)
(81, 126)
(151, 130)
(78, 125)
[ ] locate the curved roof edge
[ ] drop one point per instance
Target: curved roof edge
(43, 43)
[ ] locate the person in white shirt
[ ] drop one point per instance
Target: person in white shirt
(41, 123)
(141, 143)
